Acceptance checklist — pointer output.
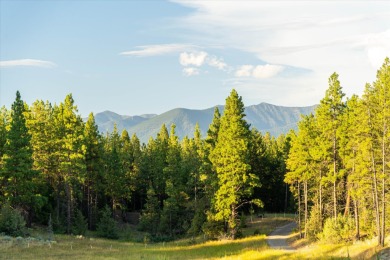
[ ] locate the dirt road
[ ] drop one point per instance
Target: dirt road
(278, 238)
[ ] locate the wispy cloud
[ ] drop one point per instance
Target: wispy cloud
(259, 72)
(217, 63)
(193, 58)
(190, 71)
(158, 49)
(199, 59)
(27, 63)
(266, 71)
(244, 71)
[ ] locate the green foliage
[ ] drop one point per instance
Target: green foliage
(3, 129)
(19, 184)
(314, 224)
(80, 224)
(150, 217)
(107, 226)
(230, 159)
(11, 221)
(214, 229)
(338, 230)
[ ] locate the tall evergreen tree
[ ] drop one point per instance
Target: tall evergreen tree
(70, 154)
(93, 184)
(116, 182)
(19, 178)
(381, 125)
(329, 117)
(231, 161)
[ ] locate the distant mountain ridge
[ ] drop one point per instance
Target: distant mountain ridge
(264, 117)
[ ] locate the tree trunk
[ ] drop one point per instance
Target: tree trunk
(320, 198)
(375, 183)
(232, 222)
(334, 177)
(89, 206)
(357, 224)
(384, 145)
(383, 235)
(376, 205)
(348, 202)
(299, 212)
(306, 208)
(68, 208)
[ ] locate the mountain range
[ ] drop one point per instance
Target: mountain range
(264, 117)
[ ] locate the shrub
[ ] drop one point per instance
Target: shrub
(11, 221)
(213, 229)
(58, 222)
(314, 224)
(107, 226)
(80, 224)
(339, 230)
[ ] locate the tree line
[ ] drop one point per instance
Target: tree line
(338, 165)
(57, 168)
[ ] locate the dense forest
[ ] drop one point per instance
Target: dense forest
(59, 171)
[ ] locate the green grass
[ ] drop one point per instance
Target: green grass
(250, 247)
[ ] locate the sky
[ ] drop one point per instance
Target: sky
(147, 57)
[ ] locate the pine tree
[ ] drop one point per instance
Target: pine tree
(3, 130)
(208, 173)
(116, 181)
(173, 213)
(380, 129)
(94, 163)
(231, 161)
(138, 173)
(70, 153)
(212, 132)
(301, 166)
(329, 117)
(19, 177)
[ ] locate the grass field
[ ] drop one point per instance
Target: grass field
(250, 247)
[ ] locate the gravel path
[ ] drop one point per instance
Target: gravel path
(278, 238)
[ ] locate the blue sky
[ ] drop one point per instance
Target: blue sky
(137, 57)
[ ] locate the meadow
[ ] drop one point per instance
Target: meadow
(249, 247)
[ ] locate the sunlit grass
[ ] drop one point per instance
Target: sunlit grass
(250, 247)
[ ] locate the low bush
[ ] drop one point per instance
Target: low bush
(338, 230)
(107, 226)
(11, 221)
(80, 224)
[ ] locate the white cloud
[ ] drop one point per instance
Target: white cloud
(244, 71)
(217, 63)
(266, 71)
(27, 63)
(159, 49)
(193, 58)
(378, 47)
(190, 71)
(317, 36)
(259, 72)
